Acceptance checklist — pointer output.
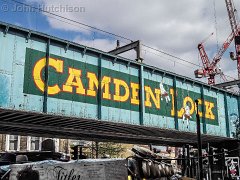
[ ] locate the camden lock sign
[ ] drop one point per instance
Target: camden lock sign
(78, 81)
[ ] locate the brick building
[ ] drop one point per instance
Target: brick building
(29, 143)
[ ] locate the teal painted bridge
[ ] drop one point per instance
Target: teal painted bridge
(53, 87)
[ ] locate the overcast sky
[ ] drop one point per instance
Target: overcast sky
(172, 26)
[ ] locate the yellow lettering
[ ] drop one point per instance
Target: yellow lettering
(106, 85)
(135, 93)
(186, 101)
(74, 80)
(150, 95)
(93, 85)
(208, 106)
(173, 109)
(120, 83)
(37, 74)
(200, 103)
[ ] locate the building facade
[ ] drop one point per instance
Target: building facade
(14, 143)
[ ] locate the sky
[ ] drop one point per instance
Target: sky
(175, 27)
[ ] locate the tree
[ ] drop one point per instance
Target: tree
(106, 149)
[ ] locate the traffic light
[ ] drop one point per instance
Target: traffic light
(215, 159)
(224, 152)
(74, 152)
(213, 155)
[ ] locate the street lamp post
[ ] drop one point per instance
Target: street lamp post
(200, 174)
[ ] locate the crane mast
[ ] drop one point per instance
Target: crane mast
(204, 56)
(210, 69)
(231, 15)
(235, 30)
(207, 70)
(222, 50)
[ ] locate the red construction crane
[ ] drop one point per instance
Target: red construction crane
(236, 31)
(210, 69)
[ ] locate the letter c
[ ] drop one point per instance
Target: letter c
(37, 74)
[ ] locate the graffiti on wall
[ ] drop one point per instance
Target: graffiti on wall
(234, 121)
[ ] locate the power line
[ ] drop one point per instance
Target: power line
(170, 55)
(104, 31)
(174, 61)
(77, 22)
(184, 61)
(60, 18)
(215, 21)
(66, 22)
(100, 30)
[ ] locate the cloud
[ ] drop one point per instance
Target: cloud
(102, 44)
(172, 26)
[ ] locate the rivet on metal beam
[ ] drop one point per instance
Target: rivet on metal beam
(115, 60)
(184, 80)
(164, 73)
(67, 46)
(6, 31)
(28, 36)
(128, 64)
(152, 71)
(84, 51)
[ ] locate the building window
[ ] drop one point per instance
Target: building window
(12, 143)
(34, 143)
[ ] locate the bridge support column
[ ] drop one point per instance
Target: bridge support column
(99, 95)
(175, 102)
(45, 94)
(203, 112)
(226, 115)
(142, 107)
